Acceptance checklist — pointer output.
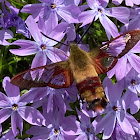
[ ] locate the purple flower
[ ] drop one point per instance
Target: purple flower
(115, 111)
(131, 101)
(134, 22)
(118, 134)
(71, 36)
(42, 46)
(10, 19)
(15, 106)
(132, 82)
(88, 113)
(125, 63)
(76, 2)
(87, 129)
(57, 127)
(5, 34)
(51, 98)
(127, 2)
(9, 136)
(99, 11)
(53, 11)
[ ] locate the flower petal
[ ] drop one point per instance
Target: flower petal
(132, 25)
(55, 54)
(91, 3)
(16, 122)
(109, 26)
(70, 125)
(51, 23)
(33, 28)
(8, 135)
(113, 92)
(120, 13)
(132, 97)
(13, 9)
(27, 47)
(5, 34)
(117, 2)
(69, 13)
(33, 95)
(4, 101)
(35, 10)
(12, 91)
(40, 59)
(104, 3)
(59, 31)
(119, 69)
(107, 123)
(136, 48)
(5, 114)
(31, 115)
(8, 34)
(126, 126)
(134, 61)
(82, 137)
(60, 104)
(37, 130)
(86, 17)
(133, 121)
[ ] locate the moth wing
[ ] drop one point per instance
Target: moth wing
(123, 43)
(105, 57)
(102, 61)
(57, 75)
(132, 38)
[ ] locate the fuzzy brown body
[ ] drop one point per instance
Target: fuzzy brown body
(86, 78)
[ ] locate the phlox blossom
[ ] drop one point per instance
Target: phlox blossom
(99, 10)
(115, 111)
(42, 46)
(15, 106)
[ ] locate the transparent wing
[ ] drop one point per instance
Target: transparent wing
(120, 45)
(105, 57)
(57, 75)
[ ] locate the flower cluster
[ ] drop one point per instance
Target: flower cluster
(38, 30)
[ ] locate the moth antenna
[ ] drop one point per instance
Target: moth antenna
(86, 30)
(54, 39)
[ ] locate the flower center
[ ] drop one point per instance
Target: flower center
(53, 6)
(133, 82)
(43, 46)
(88, 129)
(56, 131)
(115, 108)
(14, 106)
(100, 10)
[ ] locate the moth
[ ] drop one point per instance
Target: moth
(82, 68)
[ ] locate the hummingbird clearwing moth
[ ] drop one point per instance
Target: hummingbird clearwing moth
(82, 68)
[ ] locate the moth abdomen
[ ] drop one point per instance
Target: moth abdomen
(92, 91)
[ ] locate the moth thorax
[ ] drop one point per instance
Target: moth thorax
(83, 72)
